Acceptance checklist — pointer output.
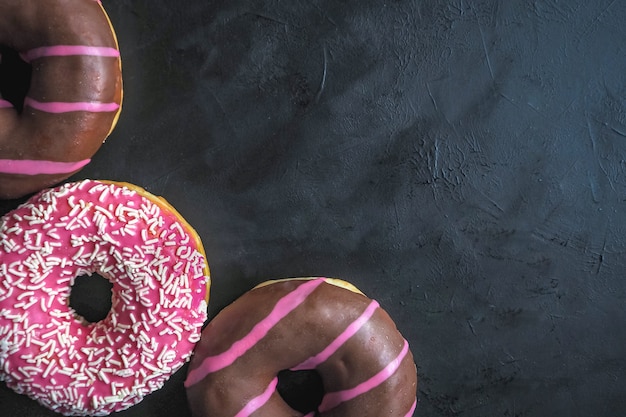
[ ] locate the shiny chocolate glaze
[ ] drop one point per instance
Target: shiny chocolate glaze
(298, 324)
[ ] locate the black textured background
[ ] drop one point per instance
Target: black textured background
(463, 162)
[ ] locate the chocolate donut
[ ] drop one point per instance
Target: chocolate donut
(320, 324)
(75, 93)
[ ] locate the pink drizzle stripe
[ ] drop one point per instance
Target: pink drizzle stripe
(410, 413)
(5, 104)
(283, 307)
(33, 167)
(69, 50)
(258, 402)
(350, 331)
(333, 399)
(62, 107)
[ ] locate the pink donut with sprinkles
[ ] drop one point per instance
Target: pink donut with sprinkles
(75, 93)
(156, 264)
(320, 324)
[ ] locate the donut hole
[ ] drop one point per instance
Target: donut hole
(90, 297)
(301, 390)
(15, 75)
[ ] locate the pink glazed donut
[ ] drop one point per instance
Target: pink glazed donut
(320, 324)
(160, 278)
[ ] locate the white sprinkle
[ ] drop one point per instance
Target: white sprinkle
(49, 369)
(25, 294)
(102, 375)
(49, 334)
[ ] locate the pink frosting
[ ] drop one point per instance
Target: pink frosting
(34, 167)
(69, 50)
(65, 107)
(258, 402)
(159, 278)
(4, 104)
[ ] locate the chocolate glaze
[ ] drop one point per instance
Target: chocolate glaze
(63, 137)
(305, 332)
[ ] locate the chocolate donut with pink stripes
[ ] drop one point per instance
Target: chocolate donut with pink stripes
(321, 324)
(75, 92)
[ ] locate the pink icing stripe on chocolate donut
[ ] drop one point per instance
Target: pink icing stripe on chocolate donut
(258, 402)
(63, 107)
(413, 407)
(34, 167)
(283, 307)
(69, 50)
(4, 104)
(350, 331)
(333, 399)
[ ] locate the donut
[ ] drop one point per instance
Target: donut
(75, 94)
(320, 324)
(160, 282)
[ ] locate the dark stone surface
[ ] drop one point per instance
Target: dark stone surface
(462, 162)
